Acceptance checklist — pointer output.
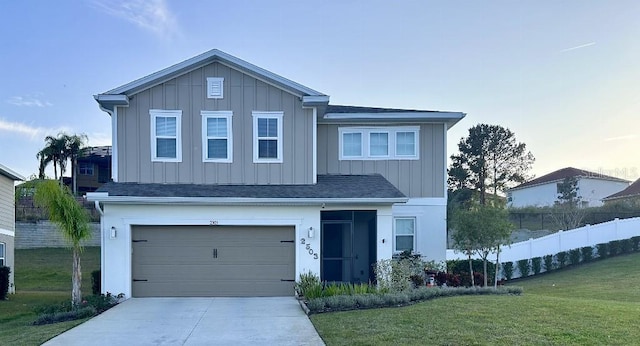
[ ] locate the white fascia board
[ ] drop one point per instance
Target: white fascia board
(11, 174)
(315, 100)
(108, 102)
(7, 232)
(105, 198)
(450, 118)
(213, 55)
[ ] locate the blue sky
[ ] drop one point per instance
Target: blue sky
(563, 75)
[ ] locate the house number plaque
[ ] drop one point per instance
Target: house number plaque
(308, 248)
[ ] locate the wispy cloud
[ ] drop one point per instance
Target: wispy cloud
(620, 138)
(29, 131)
(151, 15)
(28, 101)
(578, 47)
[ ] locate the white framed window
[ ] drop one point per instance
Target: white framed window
(85, 168)
(406, 143)
(2, 254)
(166, 135)
(267, 137)
(351, 144)
(404, 234)
(217, 139)
(379, 143)
(215, 87)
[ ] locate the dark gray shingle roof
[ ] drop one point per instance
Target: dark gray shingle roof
(328, 186)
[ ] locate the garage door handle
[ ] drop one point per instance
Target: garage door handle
(138, 280)
(287, 280)
(215, 253)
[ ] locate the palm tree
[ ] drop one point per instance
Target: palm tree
(73, 149)
(52, 153)
(73, 221)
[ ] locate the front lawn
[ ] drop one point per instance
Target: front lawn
(593, 304)
(43, 277)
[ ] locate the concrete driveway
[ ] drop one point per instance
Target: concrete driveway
(196, 321)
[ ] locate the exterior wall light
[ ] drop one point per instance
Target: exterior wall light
(311, 232)
(114, 233)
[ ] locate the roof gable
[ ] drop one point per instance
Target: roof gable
(564, 173)
(630, 191)
(9, 173)
(117, 96)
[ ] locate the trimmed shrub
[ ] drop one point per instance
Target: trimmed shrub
(625, 246)
(461, 267)
(4, 282)
(548, 262)
(635, 243)
(507, 270)
(574, 256)
(96, 285)
(587, 254)
(536, 265)
(603, 250)
(561, 258)
(524, 267)
(447, 279)
(62, 316)
(614, 247)
(309, 285)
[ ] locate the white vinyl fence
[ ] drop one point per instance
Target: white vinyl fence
(551, 244)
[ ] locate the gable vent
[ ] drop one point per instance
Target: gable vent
(215, 89)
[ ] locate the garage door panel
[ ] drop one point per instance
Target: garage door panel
(213, 261)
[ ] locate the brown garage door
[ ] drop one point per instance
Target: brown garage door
(216, 261)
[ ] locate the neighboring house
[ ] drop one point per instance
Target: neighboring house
(630, 195)
(8, 220)
(230, 180)
(93, 168)
(543, 191)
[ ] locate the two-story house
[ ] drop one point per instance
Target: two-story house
(8, 177)
(230, 180)
(543, 191)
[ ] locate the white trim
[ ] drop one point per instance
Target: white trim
(315, 145)
(228, 115)
(215, 87)
(213, 55)
(7, 232)
(395, 235)
(11, 174)
(240, 200)
(3, 245)
(267, 115)
(366, 132)
(154, 113)
(114, 144)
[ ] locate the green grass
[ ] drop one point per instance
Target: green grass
(592, 304)
(43, 277)
(49, 269)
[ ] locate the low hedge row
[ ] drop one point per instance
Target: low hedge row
(367, 301)
(563, 259)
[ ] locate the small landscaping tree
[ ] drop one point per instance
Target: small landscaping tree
(73, 221)
(536, 265)
(481, 230)
(567, 211)
(524, 267)
(548, 262)
(574, 256)
(561, 257)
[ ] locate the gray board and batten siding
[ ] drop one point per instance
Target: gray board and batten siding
(424, 177)
(242, 95)
(7, 203)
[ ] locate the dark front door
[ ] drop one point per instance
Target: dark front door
(337, 251)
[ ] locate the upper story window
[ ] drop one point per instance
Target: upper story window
(405, 234)
(379, 143)
(217, 142)
(166, 141)
(267, 137)
(2, 254)
(85, 168)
